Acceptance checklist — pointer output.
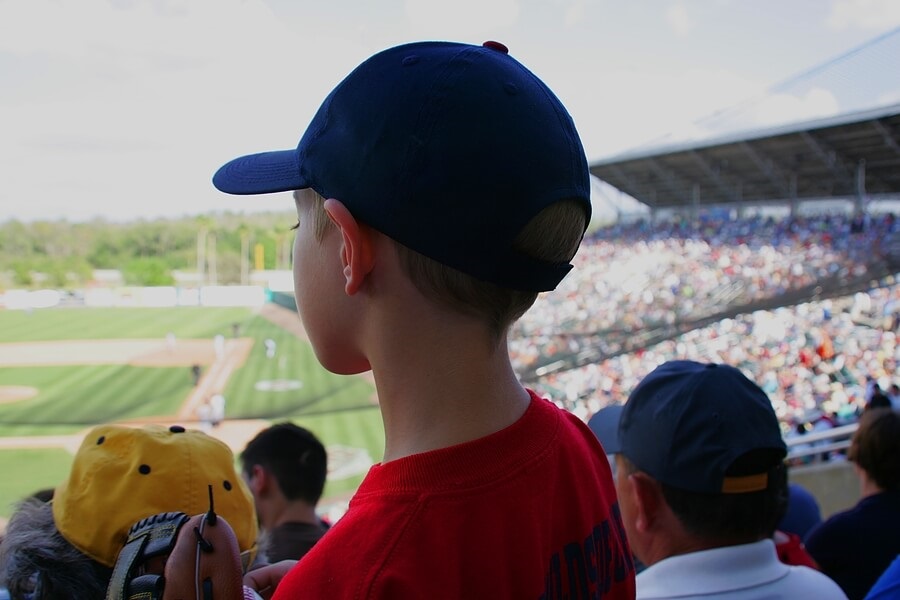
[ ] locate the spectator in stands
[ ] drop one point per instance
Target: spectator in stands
(702, 482)
(418, 244)
(894, 395)
(66, 549)
(888, 585)
(285, 467)
(872, 387)
(878, 399)
(788, 544)
(803, 512)
(605, 425)
(855, 546)
(667, 273)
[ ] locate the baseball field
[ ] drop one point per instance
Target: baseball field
(64, 370)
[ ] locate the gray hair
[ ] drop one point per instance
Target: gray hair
(34, 554)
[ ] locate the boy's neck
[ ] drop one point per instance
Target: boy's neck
(444, 388)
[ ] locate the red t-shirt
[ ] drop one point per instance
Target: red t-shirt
(527, 512)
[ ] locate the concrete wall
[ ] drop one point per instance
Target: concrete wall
(834, 484)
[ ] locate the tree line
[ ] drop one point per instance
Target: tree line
(219, 248)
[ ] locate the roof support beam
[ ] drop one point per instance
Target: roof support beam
(714, 175)
(831, 159)
(669, 181)
(629, 186)
(765, 166)
(886, 135)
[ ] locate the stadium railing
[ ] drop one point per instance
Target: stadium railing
(820, 442)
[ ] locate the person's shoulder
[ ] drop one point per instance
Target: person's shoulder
(833, 530)
(810, 583)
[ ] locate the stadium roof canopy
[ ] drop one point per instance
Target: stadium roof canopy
(852, 155)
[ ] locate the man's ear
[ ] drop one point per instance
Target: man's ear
(357, 257)
(648, 500)
(258, 481)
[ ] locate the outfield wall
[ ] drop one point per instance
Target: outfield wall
(835, 485)
(284, 300)
(143, 297)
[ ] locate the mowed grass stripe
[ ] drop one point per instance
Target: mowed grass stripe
(139, 392)
(60, 397)
(92, 394)
(294, 361)
(119, 323)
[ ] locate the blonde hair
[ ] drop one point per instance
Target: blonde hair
(321, 221)
(552, 236)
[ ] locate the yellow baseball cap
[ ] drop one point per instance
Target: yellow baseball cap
(121, 475)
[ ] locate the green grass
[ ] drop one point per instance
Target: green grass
(118, 323)
(71, 398)
(27, 471)
(295, 361)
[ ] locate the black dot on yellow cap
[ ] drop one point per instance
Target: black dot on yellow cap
(101, 439)
(144, 469)
(176, 429)
(227, 485)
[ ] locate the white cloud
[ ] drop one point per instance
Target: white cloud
(460, 19)
(678, 19)
(888, 97)
(864, 14)
(148, 29)
(148, 99)
(778, 109)
(575, 13)
(637, 107)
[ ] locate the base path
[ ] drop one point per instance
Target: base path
(216, 377)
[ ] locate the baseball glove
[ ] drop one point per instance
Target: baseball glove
(171, 556)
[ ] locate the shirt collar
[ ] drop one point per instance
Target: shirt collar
(712, 571)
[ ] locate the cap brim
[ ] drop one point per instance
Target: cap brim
(605, 425)
(263, 173)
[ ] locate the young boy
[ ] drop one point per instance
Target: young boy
(439, 188)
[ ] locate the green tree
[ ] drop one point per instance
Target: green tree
(149, 271)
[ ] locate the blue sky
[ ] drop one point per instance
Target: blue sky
(124, 108)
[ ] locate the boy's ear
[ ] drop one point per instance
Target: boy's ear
(357, 257)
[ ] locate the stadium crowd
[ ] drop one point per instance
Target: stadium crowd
(812, 357)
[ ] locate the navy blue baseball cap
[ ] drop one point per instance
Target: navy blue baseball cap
(686, 423)
(605, 425)
(449, 149)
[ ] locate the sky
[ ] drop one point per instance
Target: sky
(123, 109)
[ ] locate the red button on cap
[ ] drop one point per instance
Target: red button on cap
(496, 46)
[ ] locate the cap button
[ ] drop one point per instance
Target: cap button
(176, 429)
(496, 46)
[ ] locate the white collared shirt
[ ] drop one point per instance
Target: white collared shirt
(745, 572)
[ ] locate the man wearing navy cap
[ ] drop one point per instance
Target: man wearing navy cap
(701, 480)
(439, 188)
